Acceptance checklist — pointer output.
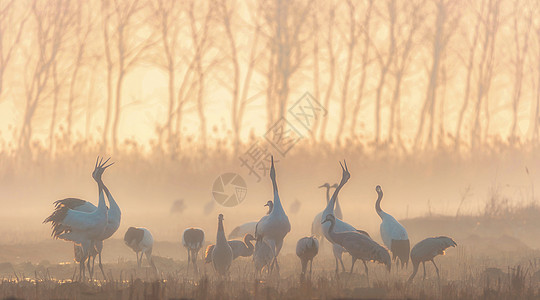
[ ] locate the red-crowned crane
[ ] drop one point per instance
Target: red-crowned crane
(340, 226)
(306, 249)
(393, 234)
(275, 226)
(193, 241)
(426, 250)
(359, 246)
(83, 228)
(140, 240)
(222, 255)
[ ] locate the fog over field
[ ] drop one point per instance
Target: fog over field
(435, 101)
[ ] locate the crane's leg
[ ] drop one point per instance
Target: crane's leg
(101, 267)
(83, 271)
(436, 269)
(89, 268)
(310, 267)
(194, 262)
(352, 266)
(424, 264)
(151, 261)
(337, 265)
(367, 272)
(415, 269)
(139, 261)
(188, 260)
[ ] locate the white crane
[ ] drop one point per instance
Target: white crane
(426, 250)
(83, 228)
(248, 228)
(139, 239)
(222, 255)
(193, 241)
(275, 226)
(359, 246)
(263, 255)
(341, 226)
(242, 248)
(393, 234)
(114, 216)
(306, 249)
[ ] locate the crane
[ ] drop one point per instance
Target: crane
(393, 234)
(222, 255)
(426, 250)
(306, 249)
(193, 241)
(139, 239)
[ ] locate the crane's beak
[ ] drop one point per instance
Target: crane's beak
(324, 185)
(266, 204)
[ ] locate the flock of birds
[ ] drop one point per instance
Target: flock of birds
(87, 226)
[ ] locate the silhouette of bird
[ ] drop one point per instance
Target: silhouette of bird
(275, 226)
(239, 248)
(359, 246)
(393, 233)
(139, 239)
(306, 249)
(193, 240)
(263, 255)
(249, 227)
(84, 228)
(426, 250)
(222, 255)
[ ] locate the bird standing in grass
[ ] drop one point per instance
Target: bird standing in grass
(393, 234)
(193, 240)
(140, 240)
(84, 228)
(222, 255)
(263, 255)
(274, 227)
(242, 248)
(426, 250)
(316, 228)
(359, 246)
(306, 249)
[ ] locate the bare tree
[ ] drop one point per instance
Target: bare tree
(329, 38)
(534, 124)
(469, 65)
(385, 61)
(51, 20)
(241, 81)
(286, 33)
(490, 29)
(364, 63)
(410, 23)
(521, 44)
(445, 24)
(9, 39)
(123, 49)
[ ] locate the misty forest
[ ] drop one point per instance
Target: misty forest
(423, 115)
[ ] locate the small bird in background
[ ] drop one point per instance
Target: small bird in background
(295, 207)
(140, 240)
(393, 234)
(178, 206)
(426, 250)
(222, 255)
(193, 241)
(306, 249)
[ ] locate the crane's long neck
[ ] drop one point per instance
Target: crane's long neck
(277, 202)
(114, 209)
(338, 212)
(331, 232)
(380, 212)
(327, 194)
(101, 204)
(220, 238)
(247, 241)
(330, 206)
